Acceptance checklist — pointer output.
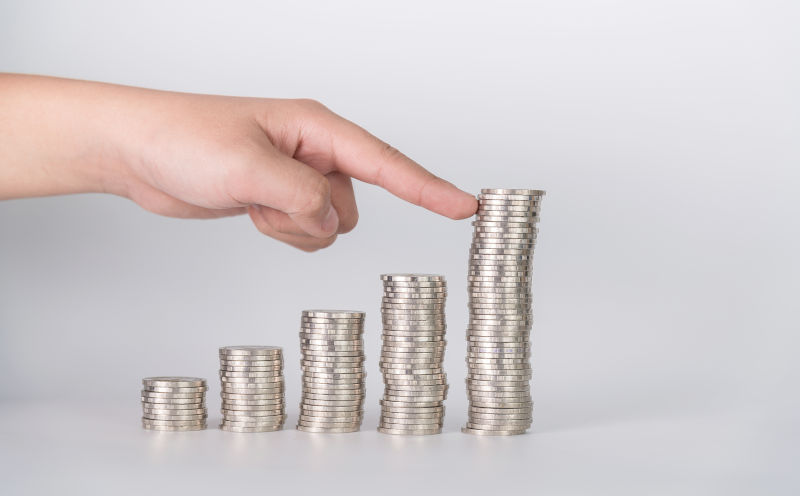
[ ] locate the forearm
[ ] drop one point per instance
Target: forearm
(56, 137)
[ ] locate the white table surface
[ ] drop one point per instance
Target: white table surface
(99, 448)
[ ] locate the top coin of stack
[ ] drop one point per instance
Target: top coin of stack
(174, 403)
(498, 336)
(252, 388)
(332, 361)
(415, 385)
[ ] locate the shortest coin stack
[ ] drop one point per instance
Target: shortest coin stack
(252, 388)
(174, 403)
(332, 361)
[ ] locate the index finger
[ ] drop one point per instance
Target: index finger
(361, 155)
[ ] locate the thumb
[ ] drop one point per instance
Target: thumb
(285, 184)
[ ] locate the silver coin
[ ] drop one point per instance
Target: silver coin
(327, 414)
(334, 369)
(153, 394)
(157, 389)
(436, 306)
(168, 410)
(257, 381)
(331, 403)
(413, 346)
(334, 397)
(412, 297)
(311, 377)
(518, 379)
(404, 432)
(151, 427)
(422, 369)
(422, 285)
(329, 333)
(243, 406)
(500, 411)
(274, 423)
(173, 406)
(500, 403)
(335, 342)
(273, 365)
(340, 419)
(229, 428)
(405, 404)
(476, 418)
(344, 318)
(392, 333)
(413, 277)
(393, 356)
(426, 362)
(252, 415)
(321, 409)
(501, 426)
(252, 350)
(414, 400)
(415, 325)
(173, 422)
(501, 278)
(253, 388)
(331, 327)
(310, 382)
(328, 430)
(413, 396)
(173, 401)
(315, 354)
(479, 432)
(391, 418)
(399, 423)
(251, 374)
(500, 274)
(485, 389)
(244, 370)
(174, 381)
(335, 314)
(320, 359)
(324, 391)
(390, 374)
(329, 425)
(160, 416)
(331, 349)
(506, 192)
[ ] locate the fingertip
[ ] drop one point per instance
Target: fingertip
(464, 206)
(330, 223)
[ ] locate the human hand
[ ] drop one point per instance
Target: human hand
(288, 163)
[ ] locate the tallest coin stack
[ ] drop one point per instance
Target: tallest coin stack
(498, 336)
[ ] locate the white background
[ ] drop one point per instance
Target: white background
(666, 274)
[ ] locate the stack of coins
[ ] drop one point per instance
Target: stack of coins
(498, 336)
(412, 353)
(332, 361)
(174, 403)
(252, 388)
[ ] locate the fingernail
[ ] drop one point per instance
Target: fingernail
(331, 222)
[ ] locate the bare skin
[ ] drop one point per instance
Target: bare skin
(289, 164)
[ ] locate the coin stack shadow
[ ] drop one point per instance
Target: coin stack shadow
(415, 385)
(252, 388)
(174, 403)
(332, 362)
(498, 335)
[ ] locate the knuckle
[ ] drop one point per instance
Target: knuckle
(311, 105)
(316, 193)
(390, 152)
(326, 242)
